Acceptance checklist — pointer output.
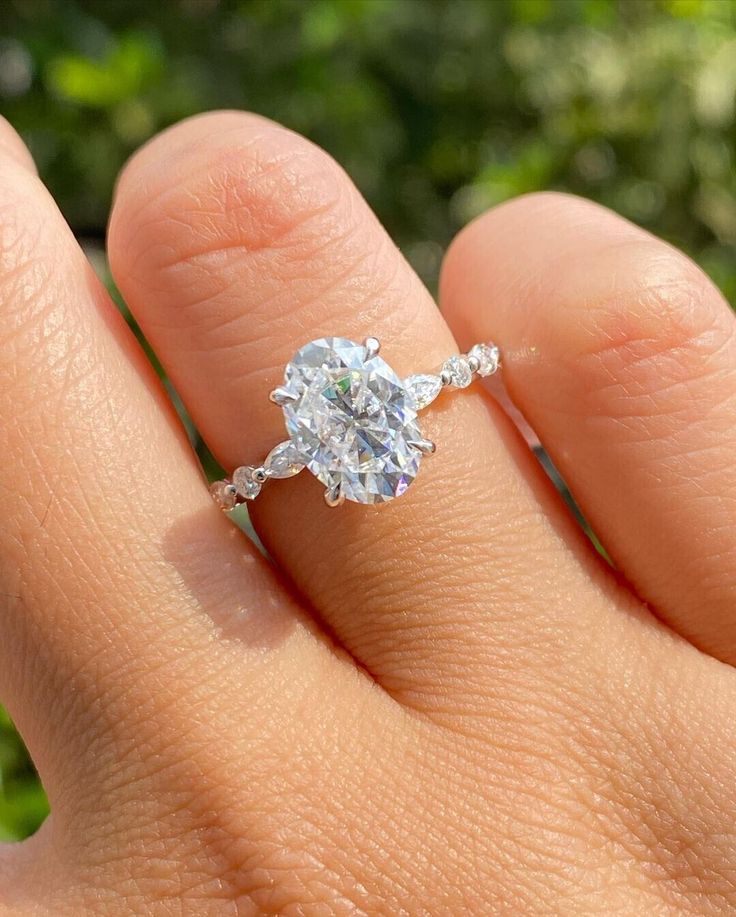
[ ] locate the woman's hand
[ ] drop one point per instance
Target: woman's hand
(445, 705)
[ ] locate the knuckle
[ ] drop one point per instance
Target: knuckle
(258, 190)
(655, 323)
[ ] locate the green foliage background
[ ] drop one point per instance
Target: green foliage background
(437, 108)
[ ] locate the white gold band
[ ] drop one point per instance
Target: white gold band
(352, 421)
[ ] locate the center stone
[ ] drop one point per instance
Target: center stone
(352, 421)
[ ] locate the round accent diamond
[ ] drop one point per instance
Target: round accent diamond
(224, 494)
(487, 356)
(353, 421)
(459, 371)
(246, 482)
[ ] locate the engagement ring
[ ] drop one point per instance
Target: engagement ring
(352, 421)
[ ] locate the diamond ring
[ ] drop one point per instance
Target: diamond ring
(352, 421)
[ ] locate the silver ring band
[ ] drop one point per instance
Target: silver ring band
(352, 421)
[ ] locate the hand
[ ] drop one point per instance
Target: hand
(445, 705)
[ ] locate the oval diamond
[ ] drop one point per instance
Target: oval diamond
(425, 387)
(352, 420)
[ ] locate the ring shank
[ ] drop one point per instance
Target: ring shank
(285, 460)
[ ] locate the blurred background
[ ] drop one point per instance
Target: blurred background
(437, 108)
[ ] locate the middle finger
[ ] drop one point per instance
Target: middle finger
(235, 242)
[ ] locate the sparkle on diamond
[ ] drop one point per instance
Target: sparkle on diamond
(353, 420)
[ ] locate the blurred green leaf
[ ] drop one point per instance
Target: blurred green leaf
(23, 804)
(128, 68)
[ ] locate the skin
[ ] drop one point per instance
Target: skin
(445, 705)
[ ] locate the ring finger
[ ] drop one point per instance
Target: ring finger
(234, 243)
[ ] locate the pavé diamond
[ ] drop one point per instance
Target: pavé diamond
(352, 421)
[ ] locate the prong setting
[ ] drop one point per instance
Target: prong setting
(425, 446)
(372, 347)
(282, 396)
(334, 496)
